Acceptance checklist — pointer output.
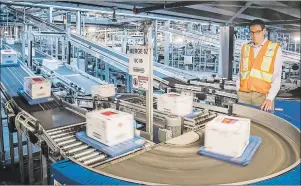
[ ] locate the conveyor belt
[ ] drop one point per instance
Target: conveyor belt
(77, 78)
(57, 117)
(173, 164)
(173, 81)
(12, 78)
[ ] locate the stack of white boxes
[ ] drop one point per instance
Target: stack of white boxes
(177, 104)
(110, 126)
(227, 135)
(37, 87)
(104, 91)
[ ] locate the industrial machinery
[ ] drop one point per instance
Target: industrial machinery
(172, 156)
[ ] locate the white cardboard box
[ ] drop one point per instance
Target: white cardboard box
(103, 90)
(110, 126)
(174, 103)
(37, 87)
(51, 64)
(8, 56)
(227, 135)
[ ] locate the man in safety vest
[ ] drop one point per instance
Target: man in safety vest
(260, 69)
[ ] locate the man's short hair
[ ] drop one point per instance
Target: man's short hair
(257, 22)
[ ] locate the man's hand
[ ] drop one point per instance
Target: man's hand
(267, 105)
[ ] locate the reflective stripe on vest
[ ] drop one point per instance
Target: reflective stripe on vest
(267, 58)
(244, 75)
(261, 75)
(246, 58)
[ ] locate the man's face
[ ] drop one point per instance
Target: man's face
(257, 34)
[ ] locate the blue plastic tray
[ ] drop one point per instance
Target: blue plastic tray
(115, 150)
(244, 159)
(33, 101)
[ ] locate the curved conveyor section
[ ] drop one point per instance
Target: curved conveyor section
(180, 164)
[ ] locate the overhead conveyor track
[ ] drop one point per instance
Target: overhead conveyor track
(116, 59)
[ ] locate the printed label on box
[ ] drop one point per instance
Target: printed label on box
(229, 121)
(108, 113)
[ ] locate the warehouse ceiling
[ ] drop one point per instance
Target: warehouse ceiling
(283, 15)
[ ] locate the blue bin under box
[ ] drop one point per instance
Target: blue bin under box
(34, 101)
(115, 150)
(244, 159)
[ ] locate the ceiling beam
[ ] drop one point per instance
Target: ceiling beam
(223, 12)
(294, 12)
(239, 12)
(165, 6)
(159, 14)
(279, 22)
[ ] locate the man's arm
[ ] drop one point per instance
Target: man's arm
(276, 82)
(276, 79)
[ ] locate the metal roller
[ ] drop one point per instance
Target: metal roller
(55, 132)
(82, 153)
(93, 160)
(72, 145)
(66, 142)
(76, 149)
(59, 135)
(89, 156)
(63, 138)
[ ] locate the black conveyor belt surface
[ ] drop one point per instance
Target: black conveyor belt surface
(21, 102)
(57, 117)
(173, 81)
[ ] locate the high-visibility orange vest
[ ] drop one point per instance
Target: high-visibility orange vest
(256, 74)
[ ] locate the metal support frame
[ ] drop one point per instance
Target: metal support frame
(16, 30)
(149, 95)
(107, 72)
(155, 40)
(30, 162)
(57, 48)
(166, 45)
(63, 50)
(23, 36)
(49, 14)
(12, 151)
(2, 150)
(44, 171)
(20, 152)
(226, 56)
(249, 3)
(165, 6)
(29, 47)
(78, 22)
(69, 53)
